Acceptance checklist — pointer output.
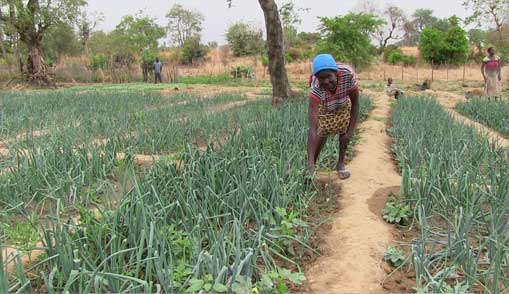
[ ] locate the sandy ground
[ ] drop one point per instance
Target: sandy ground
(354, 248)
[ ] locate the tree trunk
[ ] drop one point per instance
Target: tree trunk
(14, 39)
(36, 69)
(86, 36)
(277, 70)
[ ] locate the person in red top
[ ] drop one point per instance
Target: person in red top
(492, 73)
(333, 109)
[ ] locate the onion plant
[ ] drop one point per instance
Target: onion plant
(458, 183)
(494, 114)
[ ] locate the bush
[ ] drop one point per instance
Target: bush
(395, 57)
(192, 49)
(242, 72)
(388, 50)
(98, 61)
(294, 53)
(409, 60)
(288, 58)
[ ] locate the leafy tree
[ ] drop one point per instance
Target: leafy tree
(348, 37)
(421, 19)
(478, 38)
(431, 45)
(192, 49)
(86, 24)
(276, 52)
(456, 44)
(101, 43)
(495, 11)
(244, 39)
(60, 40)
(30, 20)
(138, 33)
(450, 47)
(183, 23)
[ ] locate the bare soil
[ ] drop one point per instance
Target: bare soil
(352, 259)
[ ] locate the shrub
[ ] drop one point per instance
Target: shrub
(241, 72)
(395, 57)
(98, 61)
(192, 50)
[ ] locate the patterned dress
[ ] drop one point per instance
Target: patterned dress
(334, 108)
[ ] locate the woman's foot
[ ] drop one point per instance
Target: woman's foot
(343, 174)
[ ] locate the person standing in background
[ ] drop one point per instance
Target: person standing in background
(492, 73)
(158, 67)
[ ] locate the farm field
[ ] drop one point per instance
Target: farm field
(173, 189)
(222, 204)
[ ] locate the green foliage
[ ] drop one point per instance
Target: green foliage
(192, 49)
(397, 212)
(244, 40)
(395, 57)
(134, 34)
(431, 45)
(422, 19)
(23, 235)
(347, 38)
(206, 284)
(183, 24)
(149, 56)
(456, 45)
(102, 43)
(241, 72)
(98, 61)
(478, 38)
(60, 40)
(394, 256)
(450, 47)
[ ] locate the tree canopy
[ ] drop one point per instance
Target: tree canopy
(183, 23)
(347, 37)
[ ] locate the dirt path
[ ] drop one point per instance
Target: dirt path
(354, 247)
(449, 101)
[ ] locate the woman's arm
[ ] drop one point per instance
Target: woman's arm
(482, 70)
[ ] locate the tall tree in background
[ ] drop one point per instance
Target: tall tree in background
(275, 43)
(183, 23)
(495, 11)
(276, 51)
(244, 39)
(422, 19)
(395, 20)
(86, 24)
(30, 21)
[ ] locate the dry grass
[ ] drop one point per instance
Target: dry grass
(220, 61)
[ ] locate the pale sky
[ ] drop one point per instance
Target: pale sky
(218, 16)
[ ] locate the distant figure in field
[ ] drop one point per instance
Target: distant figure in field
(391, 90)
(144, 71)
(333, 109)
(492, 73)
(158, 67)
